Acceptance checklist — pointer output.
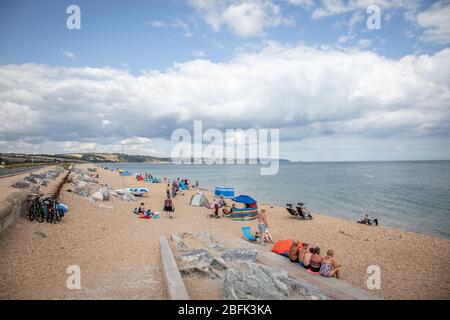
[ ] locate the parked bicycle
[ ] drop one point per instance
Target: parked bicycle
(44, 208)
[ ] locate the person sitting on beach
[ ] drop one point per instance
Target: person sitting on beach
(316, 260)
(222, 202)
(294, 252)
(302, 253)
(227, 209)
(140, 210)
(330, 267)
(307, 258)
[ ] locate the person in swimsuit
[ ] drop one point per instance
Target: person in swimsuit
(316, 260)
(262, 224)
(294, 252)
(330, 267)
(303, 251)
(307, 258)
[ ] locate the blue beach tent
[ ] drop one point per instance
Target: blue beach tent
(244, 199)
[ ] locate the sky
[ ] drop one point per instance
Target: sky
(337, 85)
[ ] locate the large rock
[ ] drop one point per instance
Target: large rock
(255, 283)
(21, 184)
(218, 264)
(306, 290)
(33, 180)
(105, 193)
(97, 196)
(127, 197)
(176, 238)
(199, 256)
(240, 255)
(84, 189)
(203, 270)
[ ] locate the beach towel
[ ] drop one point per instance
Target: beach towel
(312, 272)
(283, 246)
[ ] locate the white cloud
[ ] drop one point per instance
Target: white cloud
(308, 92)
(245, 18)
(436, 22)
(198, 54)
(175, 24)
(69, 55)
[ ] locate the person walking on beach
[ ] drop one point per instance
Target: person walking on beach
(263, 227)
(330, 267)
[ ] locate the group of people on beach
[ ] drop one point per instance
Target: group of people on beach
(310, 259)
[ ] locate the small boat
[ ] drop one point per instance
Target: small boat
(138, 192)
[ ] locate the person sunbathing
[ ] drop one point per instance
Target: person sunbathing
(307, 258)
(294, 252)
(330, 267)
(316, 260)
(302, 252)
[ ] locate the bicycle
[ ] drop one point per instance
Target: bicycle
(35, 211)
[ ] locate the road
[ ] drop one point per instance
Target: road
(18, 170)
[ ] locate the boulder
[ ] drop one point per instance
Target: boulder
(127, 197)
(203, 270)
(21, 184)
(33, 180)
(84, 189)
(105, 193)
(240, 254)
(97, 196)
(304, 289)
(217, 246)
(199, 256)
(255, 283)
(181, 246)
(175, 237)
(218, 264)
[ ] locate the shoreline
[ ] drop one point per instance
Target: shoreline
(119, 253)
(432, 233)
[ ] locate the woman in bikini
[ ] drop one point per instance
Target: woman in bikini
(307, 258)
(330, 267)
(316, 260)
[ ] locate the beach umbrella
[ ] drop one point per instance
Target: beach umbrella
(244, 199)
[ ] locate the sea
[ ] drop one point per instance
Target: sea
(411, 195)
